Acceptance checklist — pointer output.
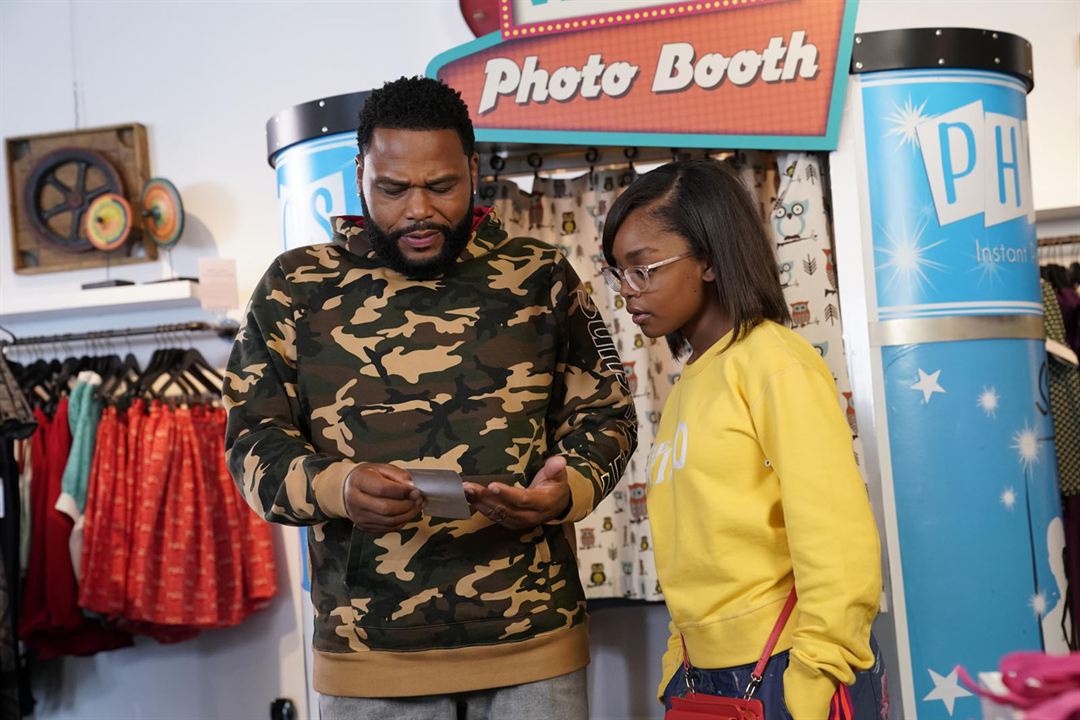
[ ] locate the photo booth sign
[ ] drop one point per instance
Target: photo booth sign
(766, 74)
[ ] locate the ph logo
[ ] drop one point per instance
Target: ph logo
(977, 162)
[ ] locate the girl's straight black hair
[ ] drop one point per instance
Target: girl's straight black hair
(707, 203)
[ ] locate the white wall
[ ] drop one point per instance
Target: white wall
(204, 77)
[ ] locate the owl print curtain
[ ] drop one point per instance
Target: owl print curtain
(615, 542)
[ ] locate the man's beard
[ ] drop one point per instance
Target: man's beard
(386, 244)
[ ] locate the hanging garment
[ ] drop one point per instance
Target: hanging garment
(52, 623)
(11, 669)
(16, 418)
(110, 512)
(190, 589)
(250, 550)
(84, 412)
(149, 441)
(1069, 303)
(107, 488)
(35, 611)
(10, 515)
(15, 697)
(139, 427)
(18, 425)
(1070, 514)
(226, 522)
(56, 574)
(1064, 382)
(26, 478)
(157, 461)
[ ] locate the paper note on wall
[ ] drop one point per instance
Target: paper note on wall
(217, 284)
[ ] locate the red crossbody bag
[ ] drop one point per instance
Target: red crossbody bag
(701, 706)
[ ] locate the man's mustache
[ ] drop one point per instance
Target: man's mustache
(420, 227)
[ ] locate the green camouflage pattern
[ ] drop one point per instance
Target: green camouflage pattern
(492, 368)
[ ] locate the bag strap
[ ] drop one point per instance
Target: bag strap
(770, 644)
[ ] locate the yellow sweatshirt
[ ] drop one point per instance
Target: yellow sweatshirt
(753, 486)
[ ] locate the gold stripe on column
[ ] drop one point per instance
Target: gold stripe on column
(913, 331)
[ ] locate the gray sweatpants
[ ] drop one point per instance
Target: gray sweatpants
(559, 698)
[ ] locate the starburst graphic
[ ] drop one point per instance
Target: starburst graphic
(905, 123)
(1008, 498)
(989, 401)
(1026, 444)
(907, 257)
(987, 269)
(1037, 603)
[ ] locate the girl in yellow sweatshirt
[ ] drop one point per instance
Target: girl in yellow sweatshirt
(753, 483)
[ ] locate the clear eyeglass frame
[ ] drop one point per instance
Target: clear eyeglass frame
(636, 276)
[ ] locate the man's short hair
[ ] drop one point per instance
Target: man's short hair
(415, 103)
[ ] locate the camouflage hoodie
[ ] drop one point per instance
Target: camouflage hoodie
(489, 369)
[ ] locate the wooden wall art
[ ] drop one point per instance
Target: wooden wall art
(54, 179)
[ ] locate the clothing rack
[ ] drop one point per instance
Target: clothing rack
(1062, 240)
(225, 331)
(1061, 250)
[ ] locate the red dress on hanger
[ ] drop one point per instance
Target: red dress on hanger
(61, 629)
(149, 456)
(226, 524)
(105, 489)
(191, 597)
(253, 534)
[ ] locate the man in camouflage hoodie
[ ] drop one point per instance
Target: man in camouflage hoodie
(424, 337)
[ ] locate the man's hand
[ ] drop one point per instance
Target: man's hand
(519, 508)
(380, 498)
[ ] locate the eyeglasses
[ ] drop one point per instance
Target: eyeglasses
(637, 277)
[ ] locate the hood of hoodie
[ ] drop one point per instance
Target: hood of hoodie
(487, 235)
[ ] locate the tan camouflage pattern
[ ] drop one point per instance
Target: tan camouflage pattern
(489, 369)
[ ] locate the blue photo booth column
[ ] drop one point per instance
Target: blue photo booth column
(312, 147)
(955, 310)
